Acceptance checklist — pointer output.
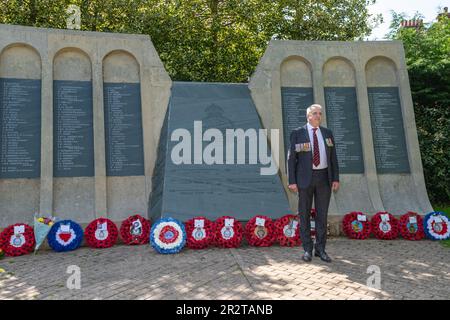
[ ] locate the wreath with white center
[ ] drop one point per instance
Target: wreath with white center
(385, 226)
(65, 235)
(288, 230)
(436, 226)
(411, 226)
(17, 240)
(101, 233)
(200, 232)
(168, 235)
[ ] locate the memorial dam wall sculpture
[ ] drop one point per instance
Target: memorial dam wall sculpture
(87, 123)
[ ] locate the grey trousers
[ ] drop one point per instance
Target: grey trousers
(320, 190)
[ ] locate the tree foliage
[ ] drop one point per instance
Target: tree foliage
(427, 52)
(205, 40)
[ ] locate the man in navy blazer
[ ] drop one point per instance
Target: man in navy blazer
(313, 172)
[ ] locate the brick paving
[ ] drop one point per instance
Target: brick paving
(408, 270)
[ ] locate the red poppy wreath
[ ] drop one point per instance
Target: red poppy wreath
(135, 230)
(101, 233)
(287, 231)
(411, 226)
(356, 225)
(200, 232)
(385, 226)
(260, 231)
(228, 232)
(17, 240)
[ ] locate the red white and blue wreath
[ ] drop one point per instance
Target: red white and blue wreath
(101, 233)
(260, 231)
(356, 225)
(385, 226)
(436, 226)
(65, 235)
(287, 229)
(168, 235)
(135, 230)
(200, 232)
(228, 233)
(17, 240)
(411, 226)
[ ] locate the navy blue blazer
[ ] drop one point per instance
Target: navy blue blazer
(300, 159)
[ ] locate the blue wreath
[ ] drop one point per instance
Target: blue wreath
(425, 224)
(55, 245)
(164, 250)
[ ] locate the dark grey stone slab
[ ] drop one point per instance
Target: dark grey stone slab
(123, 129)
(294, 102)
(73, 136)
(20, 123)
(187, 190)
(343, 120)
(388, 131)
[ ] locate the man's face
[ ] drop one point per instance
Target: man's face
(315, 117)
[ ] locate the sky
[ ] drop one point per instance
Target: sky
(429, 8)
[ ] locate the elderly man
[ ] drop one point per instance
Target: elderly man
(313, 172)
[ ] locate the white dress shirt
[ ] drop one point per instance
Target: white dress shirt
(323, 154)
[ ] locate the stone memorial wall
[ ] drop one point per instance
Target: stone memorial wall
(81, 114)
(364, 89)
(86, 125)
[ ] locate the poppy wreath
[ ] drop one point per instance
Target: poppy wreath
(229, 232)
(260, 231)
(135, 230)
(356, 225)
(101, 233)
(411, 226)
(385, 230)
(65, 235)
(17, 239)
(200, 232)
(167, 236)
(287, 231)
(436, 226)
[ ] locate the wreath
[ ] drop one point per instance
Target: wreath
(411, 226)
(385, 226)
(101, 233)
(436, 226)
(168, 236)
(356, 225)
(17, 240)
(229, 232)
(200, 232)
(287, 231)
(65, 235)
(135, 230)
(260, 231)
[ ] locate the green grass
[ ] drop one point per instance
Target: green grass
(446, 209)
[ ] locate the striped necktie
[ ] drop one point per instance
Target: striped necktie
(316, 158)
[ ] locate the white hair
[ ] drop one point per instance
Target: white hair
(311, 107)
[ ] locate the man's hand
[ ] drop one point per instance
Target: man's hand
(293, 187)
(335, 186)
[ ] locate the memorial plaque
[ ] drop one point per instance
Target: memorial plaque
(20, 110)
(343, 120)
(73, 139)
(294, 102)
(213, 190)
(123, 129)
(388, 131)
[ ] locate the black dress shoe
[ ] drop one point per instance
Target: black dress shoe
(323, 256)
(307, 256)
